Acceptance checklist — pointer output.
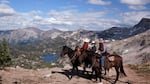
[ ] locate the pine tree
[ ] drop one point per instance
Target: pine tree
(5, 59)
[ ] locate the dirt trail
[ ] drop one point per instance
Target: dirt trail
(60, 76)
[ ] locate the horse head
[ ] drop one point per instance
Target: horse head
(65, 50)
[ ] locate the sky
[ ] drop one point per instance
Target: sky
(72, 14)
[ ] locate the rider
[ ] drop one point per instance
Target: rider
(102, 50)
(85, 45)
(77, 49)
(84, 48)
(93, 48)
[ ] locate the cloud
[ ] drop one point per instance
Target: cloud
(69, 19)
(136, 4)
(6, 10)
(99, 2)
(137, 7)
(10, 19)
(63, 20)
(132, 18)
(75, 16)
(57, 22)
(37, 18)
(78, 19)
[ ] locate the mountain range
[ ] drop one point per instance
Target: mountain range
(119, 33)
(30, 35)
(129, 40)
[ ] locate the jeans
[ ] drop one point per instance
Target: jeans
(102, 61)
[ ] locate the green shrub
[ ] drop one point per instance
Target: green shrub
(5, 59)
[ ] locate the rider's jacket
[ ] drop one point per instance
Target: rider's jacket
(85, 46)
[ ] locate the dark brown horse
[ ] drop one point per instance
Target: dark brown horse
(115, 61)
(92, 59)
(68, 51)
(88, 57)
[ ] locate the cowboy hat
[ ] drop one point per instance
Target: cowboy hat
(101, 40)
(93, 42)
(86, 40)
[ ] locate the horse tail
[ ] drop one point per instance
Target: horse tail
(122, 69)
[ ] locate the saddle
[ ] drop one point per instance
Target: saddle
(111, 58)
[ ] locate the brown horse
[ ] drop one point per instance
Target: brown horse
(75, 62)
(92, 59)
(115, 61)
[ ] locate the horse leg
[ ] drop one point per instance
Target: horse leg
(73, 68)
(122, 70)
(77, 70)
(106, 66)
(117, 73)
(72, 72)
(92, 73)
(96, 73)
(106, 71)
(100, 76)
(84, 69)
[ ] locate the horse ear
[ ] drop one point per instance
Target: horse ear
(64, 46)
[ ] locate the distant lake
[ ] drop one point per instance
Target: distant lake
(50, 57)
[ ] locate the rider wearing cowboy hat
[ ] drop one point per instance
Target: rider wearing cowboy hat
(85, 45)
